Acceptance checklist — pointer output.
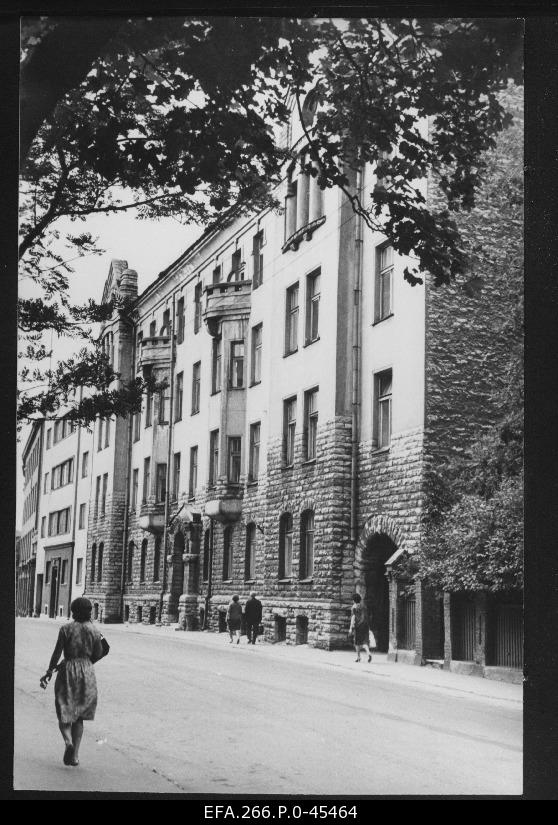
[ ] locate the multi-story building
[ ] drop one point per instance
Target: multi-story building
(303, 389)
(26, 557)
(65, 482)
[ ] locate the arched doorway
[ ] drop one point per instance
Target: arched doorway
(379, 548)
(177, 572)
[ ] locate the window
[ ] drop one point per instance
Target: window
(135, 484)
(291, 208)
(197, 307)
(384, 283)
(136, 426)
(291, 321)
(256, 376)
(254, 462)
(143, 556)
(213, 457)
(180, 321)
(163, 404)
(62, 474)
(382, 408)
(48, 569)
(216, 276)
(176, 476)
(139, 340)
(179, 396)
(100, 562)
(81, 523)
(237, 364)
(79, 570)
(251, 547)
(59, 522)
(227, 553)
(48, 440)
(146, 479)
(161, 481)
(165, 327)
(104, 496)
(157, 558)
(100, 435)
(193, 481)
(130, 562)
(84, 465)
(306, 570)
(289, 429)
(97, 495)
(286, 546)
(310, 423)
(64, 571)
(43, 527)
(235, 444)
(206, 545)
(196, 378)
(107, 432)
(148, 408)
(312, 306)
(257, 245)
(93, 561)
(217, 353)
(58, 430)
(46, 483)
(153, 329)
(236, 266)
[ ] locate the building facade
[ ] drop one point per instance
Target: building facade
(62, 526)
(27, 540)
(302, 389)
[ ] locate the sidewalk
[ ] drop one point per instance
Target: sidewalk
(420, 677)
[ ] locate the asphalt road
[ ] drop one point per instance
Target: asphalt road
(184, 713)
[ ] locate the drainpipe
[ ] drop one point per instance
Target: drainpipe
(169, 455)
(356, 366)
(127, 499)
(209, 576)
(76, 482)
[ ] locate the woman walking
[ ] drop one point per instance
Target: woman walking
(360, 628)
(234, 617)
(75, 688)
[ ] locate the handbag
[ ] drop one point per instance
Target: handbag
(105, 646)
(371, 640)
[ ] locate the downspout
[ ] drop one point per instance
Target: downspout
(42, 437)
(209, 577)
(169, 456)
(127, 499)
(76, 482)
(356, 366)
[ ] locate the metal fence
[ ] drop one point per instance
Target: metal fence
(407, 626)
(508, 636)
(463, 625)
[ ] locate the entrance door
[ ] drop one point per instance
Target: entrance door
(378, 550)
(39, 598)
(53, 591)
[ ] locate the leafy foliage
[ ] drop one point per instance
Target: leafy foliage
(178, 116)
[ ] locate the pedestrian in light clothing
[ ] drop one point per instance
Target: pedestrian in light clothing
(253, 614)
(360, 627)
(234, 618)
(75, 688)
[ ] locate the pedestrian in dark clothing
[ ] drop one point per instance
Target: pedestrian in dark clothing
(75, 689)
(360, 628)
(234, 618)
(253, 614)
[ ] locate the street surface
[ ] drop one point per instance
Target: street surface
(190, 713)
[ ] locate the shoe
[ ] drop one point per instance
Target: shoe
(238, 641)
(369, 657)
(74, 763)
(68, 754)
(357, 660)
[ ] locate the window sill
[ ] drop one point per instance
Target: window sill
(249, 581)
(196, 412)
(290, 352)
(306, 581)
(191, 498)
(253, 483)
(380, 450)
(309, 462)
(236, 388)
(284, 581)
(312, 341)
(255, 383)
(287, 466)
(381, 320)
(215, 392)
